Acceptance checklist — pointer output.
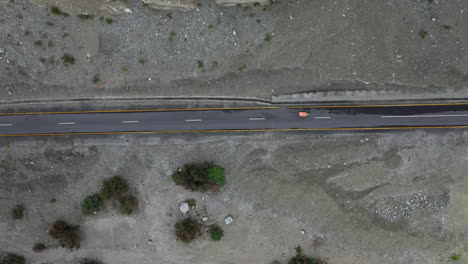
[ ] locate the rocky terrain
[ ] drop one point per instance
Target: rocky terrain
(127, 48)
(361, 198)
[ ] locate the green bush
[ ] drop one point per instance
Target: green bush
(92, 204)
(200, 176)
(216, 173)
(187, 230)
(17, 212)
(11, 258)
(39, 247)
(65, 234)
(114, 187)
(455, 257)
(68, 59)
(127, 204)
(216, 233)
(301, 259)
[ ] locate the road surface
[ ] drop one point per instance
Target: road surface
(281, 118)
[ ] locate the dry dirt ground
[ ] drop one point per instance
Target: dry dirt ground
(359, 198)
(287, 47)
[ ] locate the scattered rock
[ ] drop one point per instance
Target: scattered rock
(184, 208)
(228, 220)
(150, 241)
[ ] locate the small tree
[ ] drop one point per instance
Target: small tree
(92, 204)
(216, 233)
(127, 204)
(65, 234)
(114, 187)
(187, 230)
(200, 176)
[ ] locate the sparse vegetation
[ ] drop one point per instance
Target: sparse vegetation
(68, 59)
(301, 259)
(38, 43)
(214, 63)
(17, 212)
(127, 204)
(423, 33)
(268, 37)
(11, 258)
(96, 78)
(90, 261)
(85, 16)
(210, 26)
(187, 230)
(243, 67)
(172, 36)
(65, 234)
(447, 27)
(92, 204)
(455, 257)
(109, 21)
(142, 61)
(56, 11)
(114, 187)
(216, 233)
(200, 64)
(191, 202)
(200, 176)
(38, 247)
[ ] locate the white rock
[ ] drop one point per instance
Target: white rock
(184, 208)
(234, 33)
(204, 219)
(2, 50)
(228, 220)
(303, 231)
(127, 10)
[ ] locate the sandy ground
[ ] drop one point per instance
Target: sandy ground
(413, 44)
(360, 198)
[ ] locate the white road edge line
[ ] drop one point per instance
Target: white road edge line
(322, 117)
(130, 121)
(256, 118)
(417, 116)
(5, 125)
(67, 123)
(193, 120)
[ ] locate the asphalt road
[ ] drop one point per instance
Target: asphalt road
(366, 117)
